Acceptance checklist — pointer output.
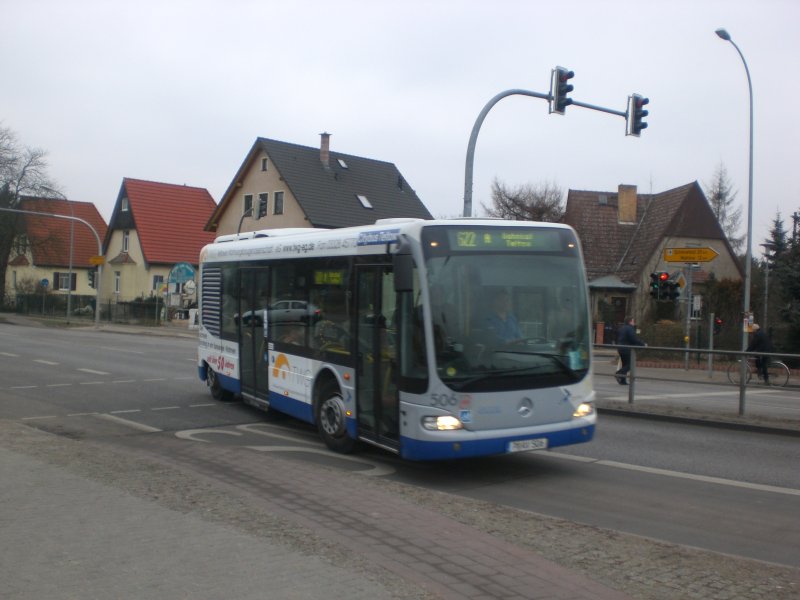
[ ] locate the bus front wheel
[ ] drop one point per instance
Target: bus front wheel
(331, 421)
(217, 391)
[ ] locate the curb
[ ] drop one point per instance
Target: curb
(709, 421)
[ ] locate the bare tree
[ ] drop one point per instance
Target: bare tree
(542, 202)
(721, 197)
(23, 171)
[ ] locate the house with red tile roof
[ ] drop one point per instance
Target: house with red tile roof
(54, 249)
(154, 227)
(624, 237)
(302, 186)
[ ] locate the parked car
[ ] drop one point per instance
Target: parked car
(284, 311)
(293, 311)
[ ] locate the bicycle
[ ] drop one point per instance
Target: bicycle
(777, 371)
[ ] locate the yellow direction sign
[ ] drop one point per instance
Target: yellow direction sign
(97, 260)
(690, 255)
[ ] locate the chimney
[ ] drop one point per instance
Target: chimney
(626, 204)
(324, 149)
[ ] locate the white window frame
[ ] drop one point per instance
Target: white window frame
(117, 282)
(126, 235)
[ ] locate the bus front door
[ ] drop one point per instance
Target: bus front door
(376, 387)
(254, 296)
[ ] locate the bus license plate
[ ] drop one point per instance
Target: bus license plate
(524, 445)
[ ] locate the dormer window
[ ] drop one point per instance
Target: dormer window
(124, 205)
(364, 201)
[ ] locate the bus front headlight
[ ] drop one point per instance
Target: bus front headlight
(441, 423)
(584, 410)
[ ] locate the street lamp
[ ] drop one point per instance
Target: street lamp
(723, 34)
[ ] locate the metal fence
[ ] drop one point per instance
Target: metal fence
(708, 361)
(148, 311)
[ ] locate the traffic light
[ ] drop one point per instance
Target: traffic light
(559, 88)
(673, 290)
(92, 275)
(663, 286)
(717, 325)
(262, 206)
(636, 113)
(654, 285)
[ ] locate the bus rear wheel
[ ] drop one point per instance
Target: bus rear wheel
(216, 389)
(332, 421)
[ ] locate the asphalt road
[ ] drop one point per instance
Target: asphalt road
(736, 492)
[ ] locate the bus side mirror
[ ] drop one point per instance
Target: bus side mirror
(403, 268)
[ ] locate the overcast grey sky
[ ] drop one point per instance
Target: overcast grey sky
(178, 91)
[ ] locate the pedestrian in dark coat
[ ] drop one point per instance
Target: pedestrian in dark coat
(760, 342)
(626, 337)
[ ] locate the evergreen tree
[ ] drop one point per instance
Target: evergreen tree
(787, 274)
(721, 197)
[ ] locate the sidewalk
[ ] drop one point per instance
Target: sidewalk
(765, 407)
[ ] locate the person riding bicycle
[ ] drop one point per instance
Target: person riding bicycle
(761, 343)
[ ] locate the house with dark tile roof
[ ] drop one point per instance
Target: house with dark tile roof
(624, 236)
(154, 227)
(54, 249)
(301, 186)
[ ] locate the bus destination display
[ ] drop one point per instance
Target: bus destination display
(504, 239)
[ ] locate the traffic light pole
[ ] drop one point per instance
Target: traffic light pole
(99, 250)
(689, 306)
(473, 138)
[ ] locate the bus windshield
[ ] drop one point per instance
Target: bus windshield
(508, 306)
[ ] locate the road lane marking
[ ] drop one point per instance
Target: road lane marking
(124, 381)
(166, 408)
(45, 362)
(127, 423)
(23, 387)
(123, 412)
(93, 372)
(9, 354)
(58, 385)
(677, 474)
(202, 405)
(156, 379)
(121, 350)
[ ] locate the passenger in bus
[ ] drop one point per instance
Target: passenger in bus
(502, 321)
(292, 334)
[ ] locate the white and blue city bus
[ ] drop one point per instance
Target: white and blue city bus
(430, 339)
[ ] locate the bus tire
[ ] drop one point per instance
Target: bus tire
(332, 422)
(217, 391)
